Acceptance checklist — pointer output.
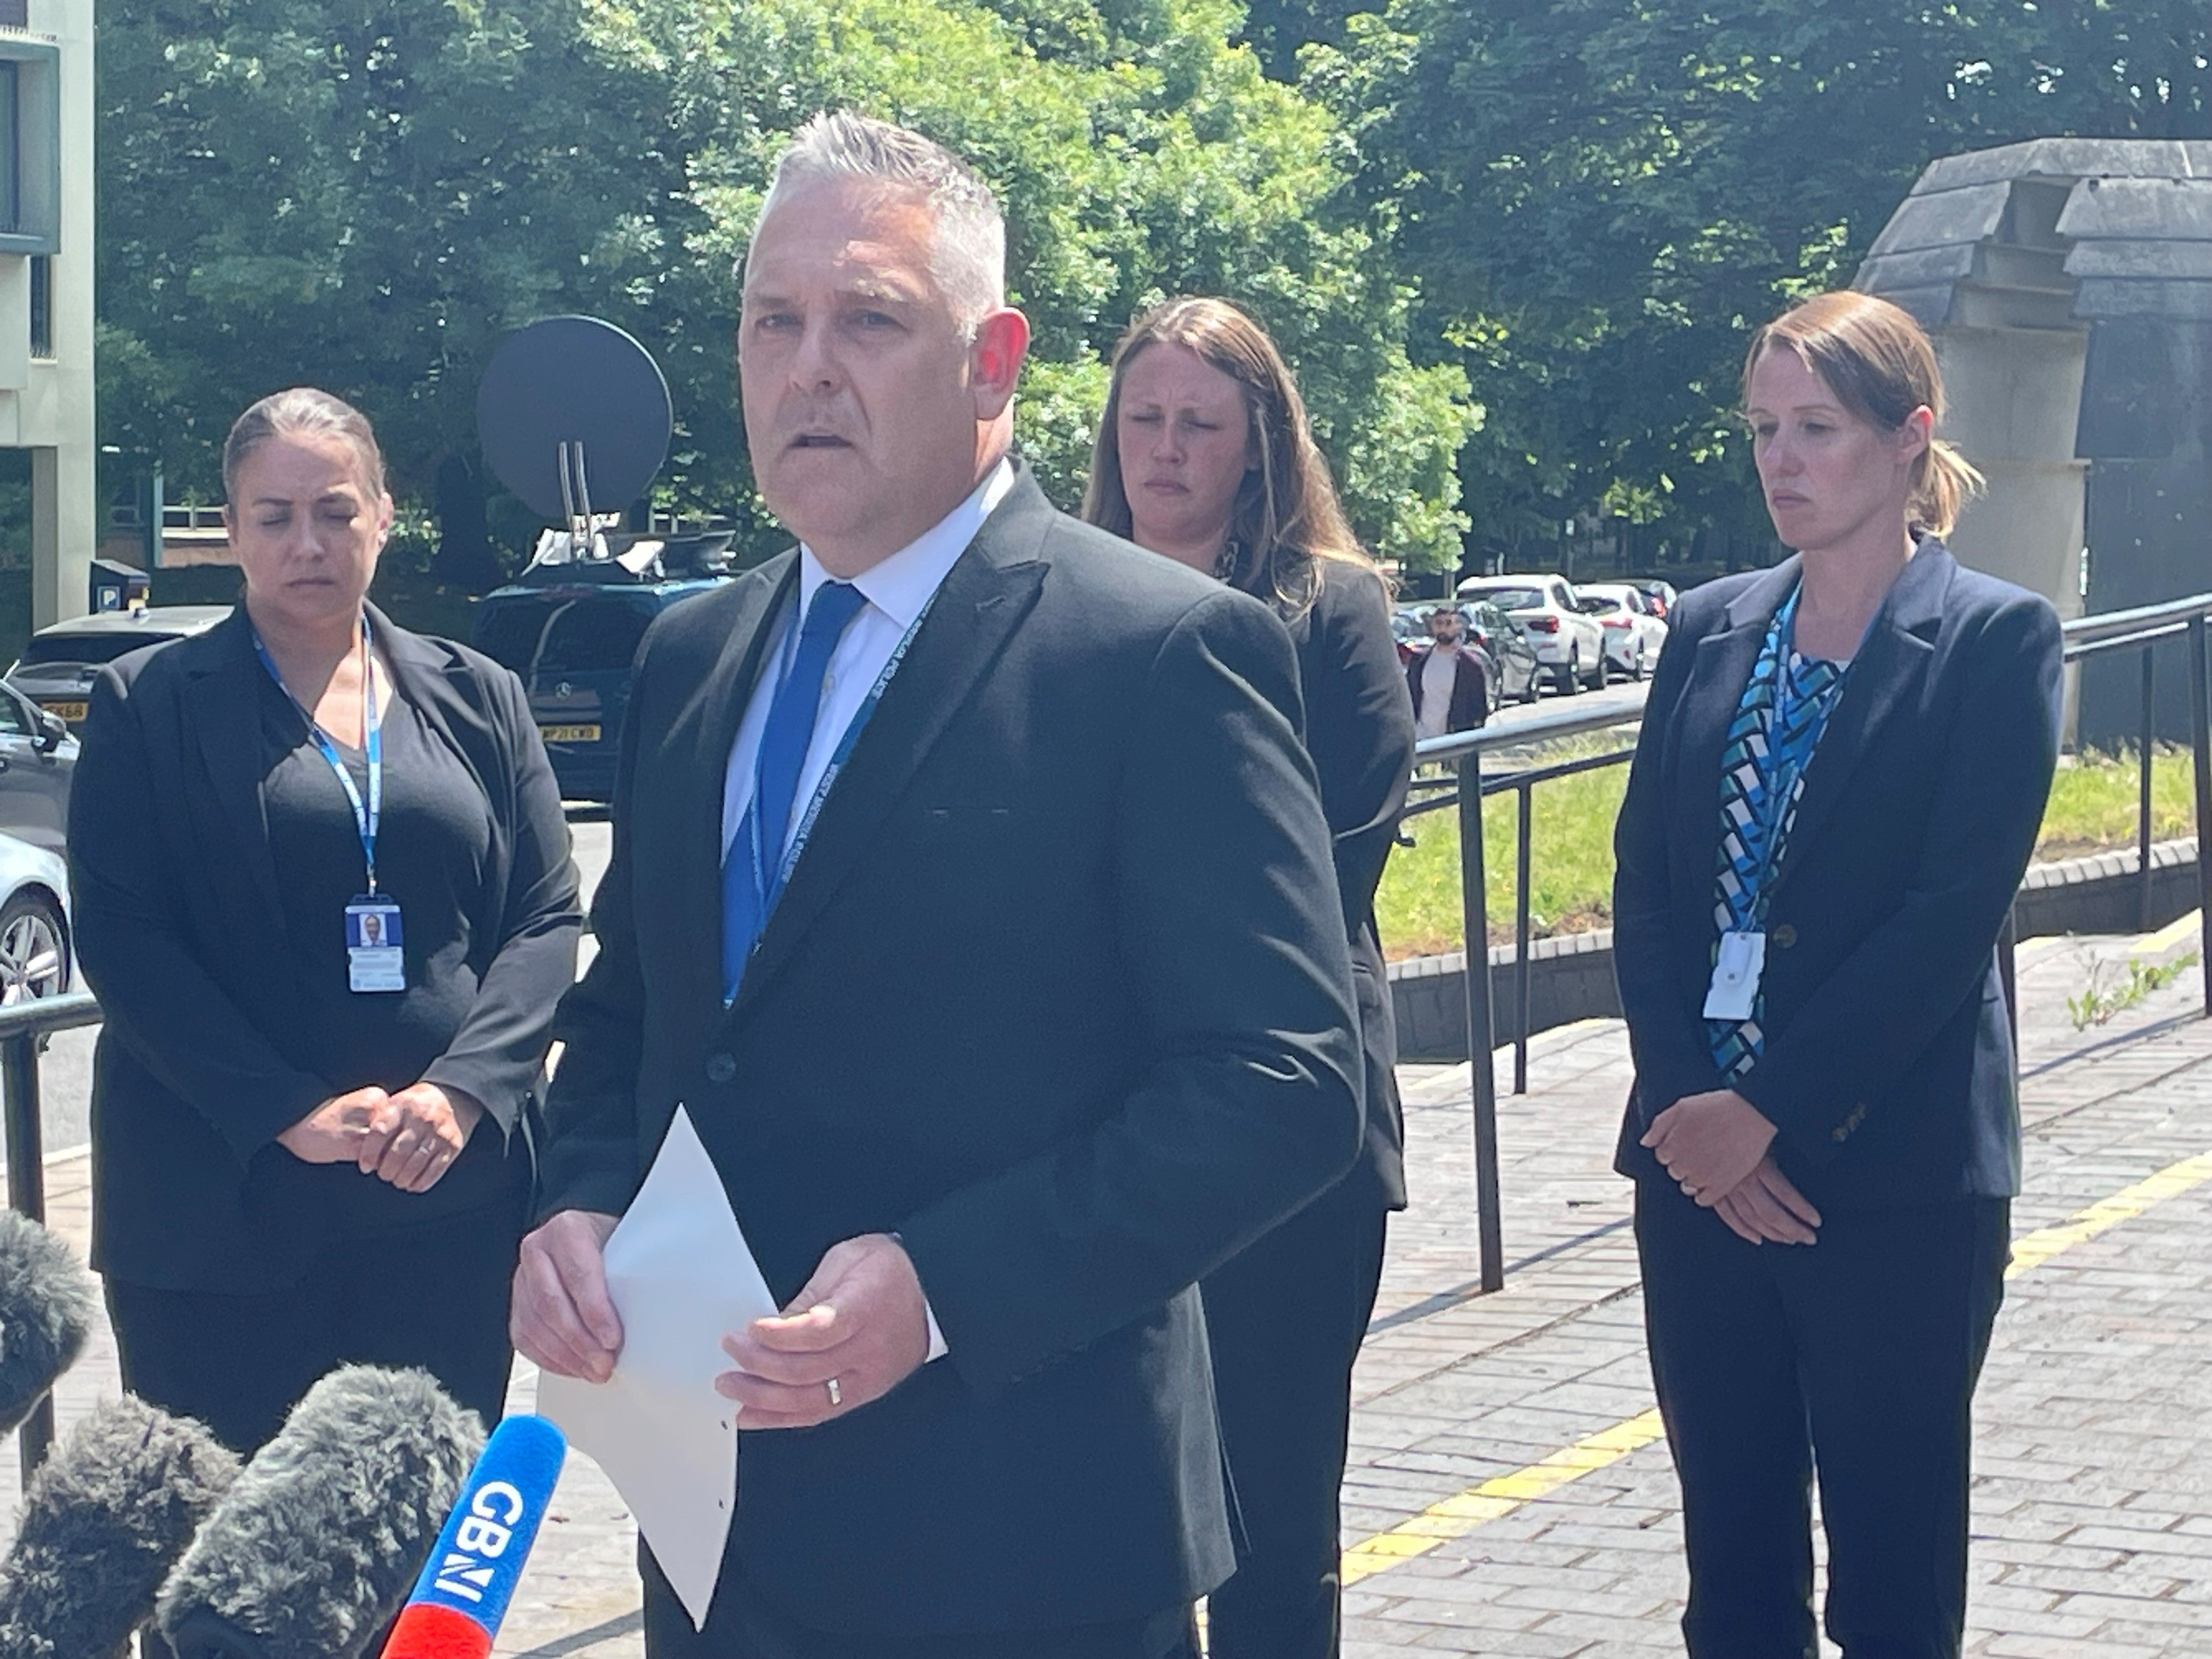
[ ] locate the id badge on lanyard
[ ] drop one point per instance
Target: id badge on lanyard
(376, 959)
(1741, 962)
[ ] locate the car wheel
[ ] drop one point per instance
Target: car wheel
(1570, 676)
(33, 960)
(1603, 677)
(1636, 669)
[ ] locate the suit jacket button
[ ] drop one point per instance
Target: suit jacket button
(1784, 937)
(720, 1068)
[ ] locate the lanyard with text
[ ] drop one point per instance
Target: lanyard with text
(375, 960)
(770, 887)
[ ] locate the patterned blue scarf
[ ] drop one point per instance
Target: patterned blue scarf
(1778, 724)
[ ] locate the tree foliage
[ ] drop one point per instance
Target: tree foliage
(1599, 201)
(370, 197)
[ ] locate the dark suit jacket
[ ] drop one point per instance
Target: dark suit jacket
(201, 1063)
(1470, 697)
(1059, 993)
(1359, 730)
(1888, 1062)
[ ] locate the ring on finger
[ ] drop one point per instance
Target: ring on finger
(836, 1394)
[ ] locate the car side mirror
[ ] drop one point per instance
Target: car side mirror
(52, 728)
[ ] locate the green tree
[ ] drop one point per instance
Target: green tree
(370, 198)
(365, 197)
(1138, 153)
(1599, 202)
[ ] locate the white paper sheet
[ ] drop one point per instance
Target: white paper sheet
(682, 1277)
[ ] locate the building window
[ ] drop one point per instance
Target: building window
(42, 305)
(14, 14)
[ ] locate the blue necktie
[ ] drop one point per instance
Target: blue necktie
(747, 891)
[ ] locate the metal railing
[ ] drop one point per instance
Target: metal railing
(1466, 785)
(23, 1031)
(25, 1027)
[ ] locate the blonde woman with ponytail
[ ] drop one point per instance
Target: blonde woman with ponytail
(1842, 765)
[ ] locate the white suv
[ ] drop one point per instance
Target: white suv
(1569, 643)
(1633, 636)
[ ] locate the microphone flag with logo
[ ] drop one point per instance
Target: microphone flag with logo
(470, 1577)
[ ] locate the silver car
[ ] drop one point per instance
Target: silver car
(38, 760)
(36, 957)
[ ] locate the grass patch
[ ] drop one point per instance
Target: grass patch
(2092, 807)
(1570, 868)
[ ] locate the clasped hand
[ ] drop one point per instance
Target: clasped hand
(1716, 1146)
(860, 1322)
(410, 1138)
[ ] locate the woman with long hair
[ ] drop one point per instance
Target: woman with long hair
(1842, 765)
(1204, 455)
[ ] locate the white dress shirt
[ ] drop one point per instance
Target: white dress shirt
(897, 591)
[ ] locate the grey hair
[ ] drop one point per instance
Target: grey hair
(969, 259)
(302, 409)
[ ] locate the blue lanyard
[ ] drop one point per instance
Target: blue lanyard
(1784, 768)
(770, 887)
(366, 815)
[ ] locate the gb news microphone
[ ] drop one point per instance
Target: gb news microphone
(470, 1579)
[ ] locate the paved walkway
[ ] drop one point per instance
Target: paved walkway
(1510, 1495)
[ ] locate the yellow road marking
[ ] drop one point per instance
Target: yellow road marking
(1458, 1515)
(2032, 1250)
(2167, 937)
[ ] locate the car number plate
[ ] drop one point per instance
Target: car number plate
(68, 711)
(569, 733)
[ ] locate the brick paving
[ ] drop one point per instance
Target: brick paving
(2093, 1499)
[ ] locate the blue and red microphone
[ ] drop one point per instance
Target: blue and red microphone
(466, 1587)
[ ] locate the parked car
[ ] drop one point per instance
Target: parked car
(1517, 673)
(1659, 596)
(570, 628)
(1633, 636)
(36, 951)
(1510, 666)
(1568, 641)
(59, 664)
(38, 760)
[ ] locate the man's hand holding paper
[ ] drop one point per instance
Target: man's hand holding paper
(861, 1323)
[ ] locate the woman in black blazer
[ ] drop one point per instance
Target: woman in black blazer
(323, 889)
(1205, 454)
(1842, 766)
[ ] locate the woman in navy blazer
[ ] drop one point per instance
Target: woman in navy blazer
(1842, 769)
(304, 1126)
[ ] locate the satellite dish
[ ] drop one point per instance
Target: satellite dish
(572, 411)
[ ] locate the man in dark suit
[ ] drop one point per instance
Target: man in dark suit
(1025, 1003)
(1450, 691)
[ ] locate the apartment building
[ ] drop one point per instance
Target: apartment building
(45, 287)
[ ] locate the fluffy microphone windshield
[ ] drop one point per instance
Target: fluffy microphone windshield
(105, 1519)
(310, 1550)
(46, 1303)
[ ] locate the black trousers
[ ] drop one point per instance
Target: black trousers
(434, 1298)
(742, 1625)
(1284, 1321)
(1856, 1357)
